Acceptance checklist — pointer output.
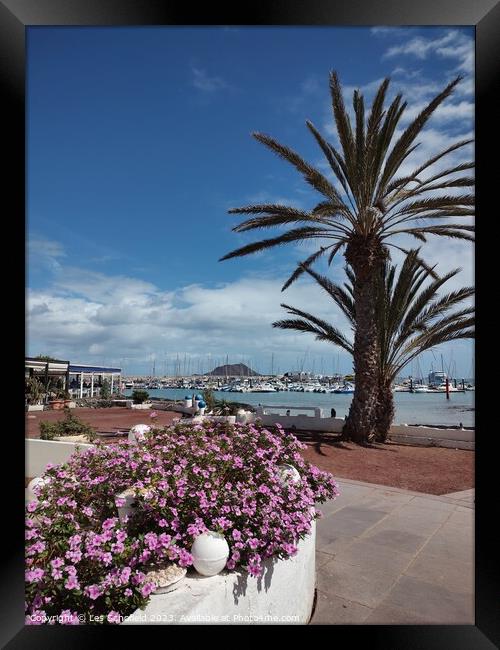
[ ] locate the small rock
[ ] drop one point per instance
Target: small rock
(165, 577)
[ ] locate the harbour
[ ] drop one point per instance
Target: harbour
(431, 408)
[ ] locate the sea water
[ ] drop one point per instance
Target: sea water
(411, 408)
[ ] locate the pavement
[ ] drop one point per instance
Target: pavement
(386, 556)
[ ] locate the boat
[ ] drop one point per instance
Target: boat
(265, 387)
(347, 388)
(421, 389)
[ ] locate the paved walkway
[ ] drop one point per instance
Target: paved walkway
(388, 556)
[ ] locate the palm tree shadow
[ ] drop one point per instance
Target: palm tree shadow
(319, 440)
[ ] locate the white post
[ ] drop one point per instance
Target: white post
(81, 385)
(92, 385)
(111, 383)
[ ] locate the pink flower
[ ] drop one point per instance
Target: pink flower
(35, 575)
(185, 558)
(93, 592)
(114, 617)
(72, 583)
(146, 589)
(255, 570)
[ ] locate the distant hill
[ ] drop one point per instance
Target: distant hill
(233, 370)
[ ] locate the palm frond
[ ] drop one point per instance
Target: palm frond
(310, 323)
(302, 266)
(298, 234)
(311, 175)
(400, 149)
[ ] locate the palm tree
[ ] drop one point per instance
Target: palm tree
(365, 211)
(411, 318)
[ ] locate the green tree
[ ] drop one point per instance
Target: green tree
(411, 318)
(105, 392)
(370, 204)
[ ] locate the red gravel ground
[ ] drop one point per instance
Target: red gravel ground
(432, 470)
(110, 419)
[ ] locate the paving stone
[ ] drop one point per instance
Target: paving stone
(434, 603)
(452, 543)
(334, 545)
(333, 505)
(334, 610)
(348, 522)
(364, 585)
(432, 504)
(414, 523)
(437, 515)
(322, 558)
(449, 573)
(462, 517)
(397, 539)
(370, 554)
(391, 615)
(392, 557)
(385, 501)
(463, 494)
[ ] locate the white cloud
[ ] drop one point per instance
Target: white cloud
(389, 31)
(88, 316)
(206, 83)
(45, 253)
(453, 45)
(91, 317)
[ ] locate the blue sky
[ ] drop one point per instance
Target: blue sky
(139, 141)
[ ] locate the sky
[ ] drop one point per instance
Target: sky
(139, 142)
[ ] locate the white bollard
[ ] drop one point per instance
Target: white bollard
(210, 552)
(136, 433)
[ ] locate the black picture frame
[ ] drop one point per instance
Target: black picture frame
(15, 16)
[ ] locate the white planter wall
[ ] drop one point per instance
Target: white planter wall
(427, 437)
(39, 453)
(284, 594)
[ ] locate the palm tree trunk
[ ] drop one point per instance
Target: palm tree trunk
(365, 259)
(385, 410)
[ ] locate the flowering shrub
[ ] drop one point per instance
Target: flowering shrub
(83, 565)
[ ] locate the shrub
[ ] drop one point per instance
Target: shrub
(140, 396)
(223, 406)
(187, 479)
(105, 392)
(34, 390)
(69, 426)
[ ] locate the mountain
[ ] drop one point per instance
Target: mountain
(234, 370)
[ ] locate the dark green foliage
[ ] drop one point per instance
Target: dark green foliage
(140, 396)
(71, 425)
(105, 392)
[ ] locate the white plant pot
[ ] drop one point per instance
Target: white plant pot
(289, 474)
(136, 433)
(210, 552)
(33, 484)
(241, 416)
(188, 403)
(126, 509)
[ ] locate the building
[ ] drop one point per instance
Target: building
(437, 378)
(79, 380)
